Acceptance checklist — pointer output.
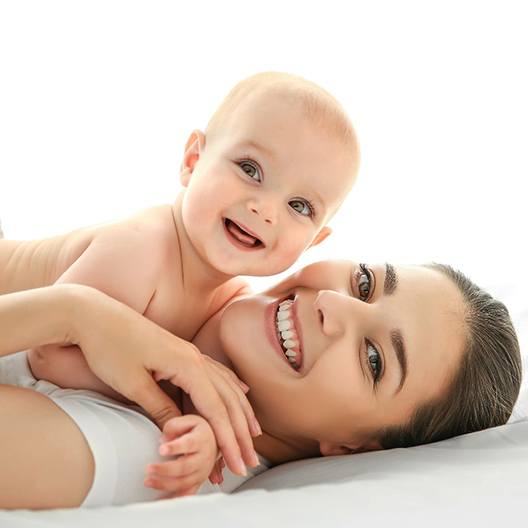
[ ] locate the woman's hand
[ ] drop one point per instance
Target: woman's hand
(129, 352)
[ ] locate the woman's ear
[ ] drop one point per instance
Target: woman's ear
(331, 449)
(323, 233)
(193, 150)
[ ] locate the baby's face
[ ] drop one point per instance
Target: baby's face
(263, 189)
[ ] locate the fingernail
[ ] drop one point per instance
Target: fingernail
(244, 386)
(257, 431)
(241, 467)
(162, 439)
(164, 450)
(256, 461)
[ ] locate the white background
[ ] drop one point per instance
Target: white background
(97, 99)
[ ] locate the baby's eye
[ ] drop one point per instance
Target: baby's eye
(251, 169)
(303, 207)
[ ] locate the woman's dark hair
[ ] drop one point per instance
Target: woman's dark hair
(485, 387)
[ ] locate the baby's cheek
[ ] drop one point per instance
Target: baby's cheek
(290, 249)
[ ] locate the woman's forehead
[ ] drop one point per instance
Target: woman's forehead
(430, 310)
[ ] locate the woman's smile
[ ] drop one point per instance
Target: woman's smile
(273, 333)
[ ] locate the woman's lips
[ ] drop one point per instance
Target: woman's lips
(273, 338)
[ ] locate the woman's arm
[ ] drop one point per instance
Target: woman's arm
(33, 317)
(127, 351)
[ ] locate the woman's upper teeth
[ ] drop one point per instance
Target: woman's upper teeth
(286, 329)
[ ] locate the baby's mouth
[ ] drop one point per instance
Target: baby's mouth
(240, 235)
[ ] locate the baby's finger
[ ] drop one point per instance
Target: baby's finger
(180, 425)
(184, 493)
(179, 467)
(173, 485)
(216, 474)
(184, 445)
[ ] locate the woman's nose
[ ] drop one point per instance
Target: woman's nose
(334, 311)
(264, 208)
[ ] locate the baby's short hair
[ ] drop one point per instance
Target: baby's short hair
(319, 105)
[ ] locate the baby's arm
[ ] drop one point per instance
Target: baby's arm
(124, 263)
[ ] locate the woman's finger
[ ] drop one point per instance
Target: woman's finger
(232, 376)
(237, 417)
(208, 402)
(147, 394)
(252, 421)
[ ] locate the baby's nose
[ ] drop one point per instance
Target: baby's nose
(264, 209)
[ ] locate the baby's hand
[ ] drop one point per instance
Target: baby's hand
(191, 444)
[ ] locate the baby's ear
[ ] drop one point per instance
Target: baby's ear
(193, 150)
(323, 233)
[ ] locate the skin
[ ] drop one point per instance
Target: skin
(331, 406)
(333, 321)
(266, 190)
(178, 264)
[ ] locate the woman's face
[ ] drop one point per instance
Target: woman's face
(369, 344)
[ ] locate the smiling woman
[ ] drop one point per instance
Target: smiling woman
(383, 356)
(344, 357)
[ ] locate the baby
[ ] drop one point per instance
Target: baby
(274, 164)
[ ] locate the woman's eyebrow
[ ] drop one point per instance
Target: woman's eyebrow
(391, 279)
(398, 343)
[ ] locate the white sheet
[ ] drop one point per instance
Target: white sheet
(481, 476)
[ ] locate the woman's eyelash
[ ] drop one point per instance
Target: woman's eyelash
(375, 367)
(364, 283)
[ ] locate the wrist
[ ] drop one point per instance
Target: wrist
(77, 302)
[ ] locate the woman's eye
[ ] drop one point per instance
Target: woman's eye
(374, 361)
(302, 207)
(364, 283)
(251, 169)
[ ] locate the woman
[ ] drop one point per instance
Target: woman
(380, 357)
